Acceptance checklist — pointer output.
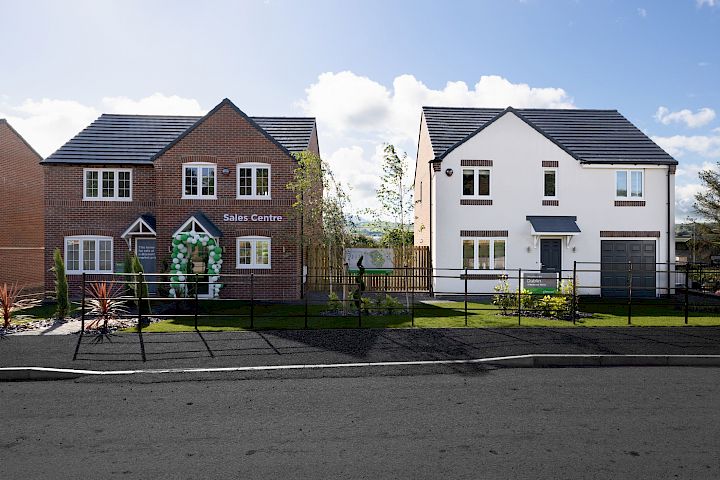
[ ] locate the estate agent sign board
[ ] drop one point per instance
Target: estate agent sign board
(375, 260)
(539, 282)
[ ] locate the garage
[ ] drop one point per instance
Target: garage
(615, 258)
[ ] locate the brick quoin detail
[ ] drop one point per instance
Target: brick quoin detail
(629, 233)
(224, 139)
(629, 203)
(476, 163)
(483, 233)
(551, 203)
(467, 201)
(550, 163)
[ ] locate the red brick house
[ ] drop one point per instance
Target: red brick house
(21, 197)
(202, 195)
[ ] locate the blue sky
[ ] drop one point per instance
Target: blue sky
(364, 68)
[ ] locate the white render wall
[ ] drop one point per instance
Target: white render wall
(588, 192)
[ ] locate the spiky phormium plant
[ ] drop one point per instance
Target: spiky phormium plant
(105, 304)
(10, 302)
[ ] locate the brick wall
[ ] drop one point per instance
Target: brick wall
(21, 200)
(225, 139)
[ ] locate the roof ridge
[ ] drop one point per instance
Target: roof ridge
(525, 109)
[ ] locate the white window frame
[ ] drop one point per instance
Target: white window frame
(253, 239)
(199, 195)
(476, 262)
(553, 197)
(476, 182)
(628, 184)
(116, 187)
(253, 166)
(81, 253)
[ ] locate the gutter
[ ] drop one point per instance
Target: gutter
(668, 231)
(430, 252)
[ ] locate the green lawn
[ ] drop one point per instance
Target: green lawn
(234, 315)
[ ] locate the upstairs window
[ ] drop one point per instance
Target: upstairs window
(107, 184)
(199, 180)
(476, 182)
(549, 183)
(253, 252)
(253, 181)
(88, 254)
(629, 184)
(483, 253)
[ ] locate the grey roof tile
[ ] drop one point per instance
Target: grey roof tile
(591, 136)
(132, 139)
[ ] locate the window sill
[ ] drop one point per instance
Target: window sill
(476, 201)
(253, 197)
(106, 199)
(253, 267)
(88, 272)
(199, 197)
(629, 203)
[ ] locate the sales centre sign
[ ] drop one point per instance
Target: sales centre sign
(236, 217)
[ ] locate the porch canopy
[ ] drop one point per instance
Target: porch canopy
(550, 225)
(199, 223)
(143, 226)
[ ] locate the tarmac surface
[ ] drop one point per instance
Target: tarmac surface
(561, 423)
(296, 347)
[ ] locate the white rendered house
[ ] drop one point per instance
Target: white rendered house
(546, 191)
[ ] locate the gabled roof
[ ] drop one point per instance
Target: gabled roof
(589, 136)
(139, 139)
(14, 132)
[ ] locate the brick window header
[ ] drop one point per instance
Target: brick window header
(483, 233)
(476, 163)
(629, 233)
(550, 164)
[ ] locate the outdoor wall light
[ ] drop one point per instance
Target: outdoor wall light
(449, 172)
(573, 249)
(528, 249)
(226, 171)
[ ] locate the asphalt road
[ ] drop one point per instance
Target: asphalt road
(468, 423)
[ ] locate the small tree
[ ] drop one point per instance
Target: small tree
(61, 286)
(137, 288)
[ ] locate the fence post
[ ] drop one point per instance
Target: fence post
(196, 301)
(140, 320)
(466, 292)
(305, 295)
(687, 293)
(252, 301)
(519, 295)
(82, 317)
(629, 293)
(82, 306)
(412, 305)
(574, 292)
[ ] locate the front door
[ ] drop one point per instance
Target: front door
(550, 255)
(145, 251)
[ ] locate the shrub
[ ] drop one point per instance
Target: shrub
(105, 304)
(61, 286)
(504, 299)
(137, 287)
(333, 303)
(10, 302)
(390, 305)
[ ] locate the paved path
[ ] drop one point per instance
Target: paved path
(283, 347)
(58, 328)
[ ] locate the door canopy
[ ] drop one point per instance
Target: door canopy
(197, 231)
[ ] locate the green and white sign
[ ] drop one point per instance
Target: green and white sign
(539, 282)
(375, 260)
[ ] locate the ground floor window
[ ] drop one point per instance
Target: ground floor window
(88, 254)
(253, 252)
(483, 253)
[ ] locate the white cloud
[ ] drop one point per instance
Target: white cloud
(691, 170)
(678, 145)
(709, 3)
(155, 104)
(685, 200)
(691, 120)
(642, 12)
(47, 124)
(344, 102)
(357, 169)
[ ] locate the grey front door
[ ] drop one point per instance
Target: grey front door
(551, 255)
(145, 250)
(616, 256)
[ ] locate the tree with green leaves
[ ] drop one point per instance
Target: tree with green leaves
(321, 202)
(706, 234)
(61, 286)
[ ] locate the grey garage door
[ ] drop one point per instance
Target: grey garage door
(615, 257)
